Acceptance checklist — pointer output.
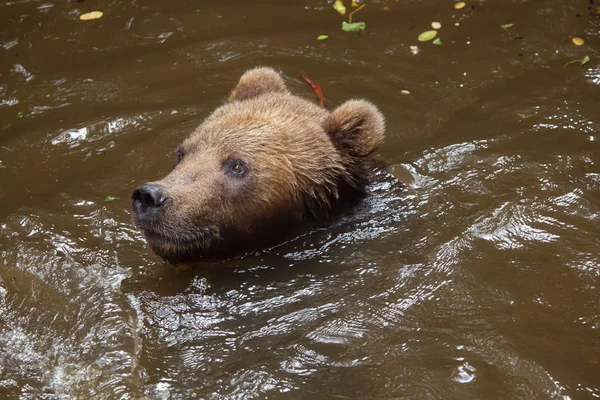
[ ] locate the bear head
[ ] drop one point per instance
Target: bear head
(264, 164)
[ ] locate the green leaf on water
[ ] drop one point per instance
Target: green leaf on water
(20, 114)
(354, 27)
(506, 26)
(110, 198)
(437, 41)
(322, 37)
(427, 36)
(585, 60)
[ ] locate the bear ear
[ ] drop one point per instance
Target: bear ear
(356, 128)
(256, 82)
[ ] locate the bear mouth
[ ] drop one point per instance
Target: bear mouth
(181, 247)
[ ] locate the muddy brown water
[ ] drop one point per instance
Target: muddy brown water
(481, 280)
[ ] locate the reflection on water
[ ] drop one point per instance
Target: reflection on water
(478, 278)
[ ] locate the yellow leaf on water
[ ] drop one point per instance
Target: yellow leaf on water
(436, 25)
(339, 7)
(91, 15)
(459, 5)
(427, 36)
(578, 41)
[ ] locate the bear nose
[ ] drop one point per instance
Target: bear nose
(148, 197)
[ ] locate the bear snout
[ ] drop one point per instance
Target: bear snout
(148, 199)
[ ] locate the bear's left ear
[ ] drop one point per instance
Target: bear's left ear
(356, 128)
(256, 82)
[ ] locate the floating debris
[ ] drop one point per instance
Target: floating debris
(414, 49)
(20, 114)
(91, 15)
(386, 8)
(437, 42)
(316, 88)
(354, 12)
(506, 26)
(427, 36)
(322, 37)
(460, 5)
(583, 61)
(110, 198)
(577, 41)
(355, 27)
(436, 25)
(404, 91)
(339, 7)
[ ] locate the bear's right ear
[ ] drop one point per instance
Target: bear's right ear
(256, 82)
(356, 128)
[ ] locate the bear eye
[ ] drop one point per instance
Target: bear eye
(238, 167)
(179, 152)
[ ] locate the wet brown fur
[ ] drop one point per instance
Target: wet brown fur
(302, 162)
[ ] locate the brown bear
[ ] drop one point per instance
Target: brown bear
(265, 165)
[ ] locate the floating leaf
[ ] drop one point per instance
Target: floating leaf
(506, 26)
(577, 41)
(339, 7)
(355, 4)
(110, 198)
(427, 36)
(91, 15)
(437, 41)
(316, 88)
(386, 8)
(404, 91)
(20, 114)
(583, 61)
(322, 37)
(436, 25)
(459, 5)
(355, 27)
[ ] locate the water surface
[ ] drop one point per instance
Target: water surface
(480, 279)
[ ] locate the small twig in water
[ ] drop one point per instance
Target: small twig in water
(316, 88)
(355, 11)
